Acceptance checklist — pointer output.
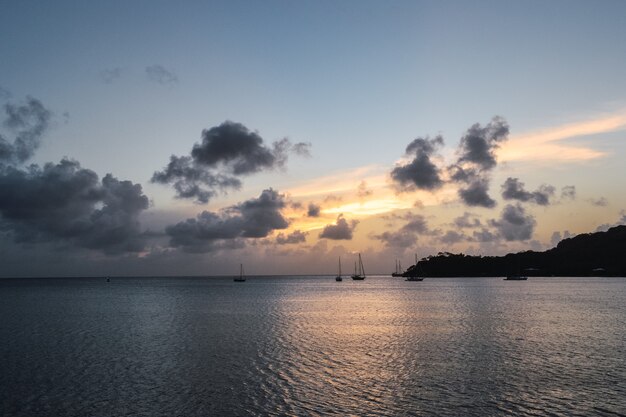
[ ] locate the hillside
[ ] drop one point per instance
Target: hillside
(592, 254)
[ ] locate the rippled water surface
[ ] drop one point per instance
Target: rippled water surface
(312, 346)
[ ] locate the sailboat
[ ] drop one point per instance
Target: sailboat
(361, 274)
(240, 278)
(398, 272)
(338, 277)
(416, 272)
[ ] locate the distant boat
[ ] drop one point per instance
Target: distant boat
(240, 278)
(108, 279)
(516, 278)
(398, 272)
(338, 277)
(360, 276)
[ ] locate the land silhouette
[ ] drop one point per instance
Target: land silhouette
(591, 254)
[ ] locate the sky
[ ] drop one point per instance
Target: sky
(185, 138)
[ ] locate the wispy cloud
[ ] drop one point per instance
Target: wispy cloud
(551, 143)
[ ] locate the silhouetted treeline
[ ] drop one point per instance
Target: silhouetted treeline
(593, 254)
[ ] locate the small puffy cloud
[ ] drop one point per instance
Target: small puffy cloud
(296, 236)
(420, 173)
(484, 235)
(477, 194)
(362, 191)
(514, 224)
(398, 239)
(568, 192)
(227, 152)
(27, 123)
(254, 218)
(598, 202)
(408, 234)
(159, 74)
(451, 237)
(313, 210)
(467, 221)
(513, 189)
(341, 230)
(479, 143)
(108, 76)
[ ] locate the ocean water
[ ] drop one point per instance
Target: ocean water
(275, 346)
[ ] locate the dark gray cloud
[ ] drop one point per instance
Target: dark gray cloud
(513, 189)
(341, 230)
(254, 218)
(478, 145)
(569, 192)
(64, 203)
(110, 75)
(467, 221)
(161, 75)
(476, 160)
(191, 180)
(27, 124)
(514, 224)
(420, 173)
(397, 239)
(313, 210)
(484, 235)
(296, 236)
(451, 237)
(476, 194)
(226, 152)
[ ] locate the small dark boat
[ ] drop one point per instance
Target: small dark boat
(338, 277)
(516, 278)
(398, 271)
(360, 276)
(240, 278)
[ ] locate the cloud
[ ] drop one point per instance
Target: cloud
(296, 236)
(476, 159)
(313, 210)
(110, 75)
(65, 203)
(420, 173)
(341, 230)
(227, 151)
(467, 221)
(451, 237)
(161, 75)
(513, 189)
(362, 191)
(254, 218)
(476, 194)
(28, 123)
(484, 235)
(191, 180)
(514, 224)
(408, 234)
(398, 239)
(549, 144)
(598, 202)
(478, 145)
(568, 192)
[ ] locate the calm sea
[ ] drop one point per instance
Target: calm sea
(312, 346)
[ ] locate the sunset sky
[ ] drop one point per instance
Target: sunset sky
(184, 138)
